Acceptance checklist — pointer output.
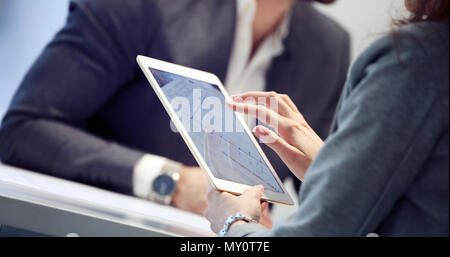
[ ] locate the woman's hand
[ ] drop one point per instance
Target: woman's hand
(223, 205)
(297, 144)
(266, 219)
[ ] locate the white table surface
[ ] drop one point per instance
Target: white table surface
(59, 207)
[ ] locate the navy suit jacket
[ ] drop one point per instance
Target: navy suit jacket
(85, 112)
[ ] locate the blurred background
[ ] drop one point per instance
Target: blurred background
(26, 26)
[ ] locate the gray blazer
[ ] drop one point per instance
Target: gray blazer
(385, 167)
(85, 112)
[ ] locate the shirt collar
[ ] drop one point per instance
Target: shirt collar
(246, 10)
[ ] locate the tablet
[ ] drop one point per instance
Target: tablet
(219, 139)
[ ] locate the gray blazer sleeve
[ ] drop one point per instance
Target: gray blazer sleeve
(388, 121)
(87, 62)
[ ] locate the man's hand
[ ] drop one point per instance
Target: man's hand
(190, 194)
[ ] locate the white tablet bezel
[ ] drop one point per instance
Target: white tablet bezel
(223, 185)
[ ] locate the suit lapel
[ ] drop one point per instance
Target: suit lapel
(287, 68)
(197, 34)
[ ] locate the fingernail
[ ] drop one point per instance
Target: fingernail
(260, 187)
(237, 99)
(261, 131)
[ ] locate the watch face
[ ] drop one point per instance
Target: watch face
(164, 185)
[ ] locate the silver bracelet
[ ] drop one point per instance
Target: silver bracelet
(233, 219)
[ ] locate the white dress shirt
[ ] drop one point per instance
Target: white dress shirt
(245, 73)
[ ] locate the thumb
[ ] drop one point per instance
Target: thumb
(254, 193)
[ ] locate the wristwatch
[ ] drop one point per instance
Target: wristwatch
(165, 184)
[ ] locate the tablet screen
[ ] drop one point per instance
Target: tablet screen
(215, 130)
